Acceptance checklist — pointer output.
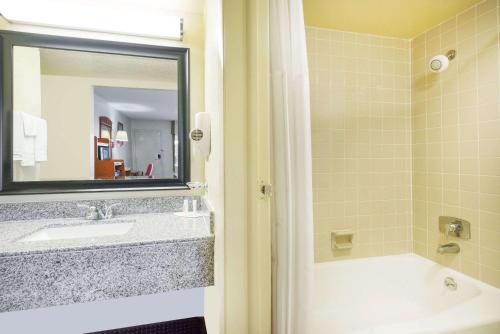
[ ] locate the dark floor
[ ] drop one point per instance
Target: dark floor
(181, 326)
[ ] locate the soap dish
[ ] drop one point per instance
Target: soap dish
(342, 239)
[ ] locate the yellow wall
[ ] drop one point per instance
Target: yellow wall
(27, 85)
(360, 109)
(456, 140)
(27, 81)
(235, 167)
(238, 162)
(214, 167)
(259, 167)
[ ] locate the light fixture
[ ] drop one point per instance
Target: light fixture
(100, 16)
(105, 134)
(121, 136)
(129, 107)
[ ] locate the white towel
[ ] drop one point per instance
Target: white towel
(30, 139)
(18, 147)
(28, 158)
(41, 140)
(30, 125)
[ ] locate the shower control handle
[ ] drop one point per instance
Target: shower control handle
(455, 227)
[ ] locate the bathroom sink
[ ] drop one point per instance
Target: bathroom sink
(79, 231)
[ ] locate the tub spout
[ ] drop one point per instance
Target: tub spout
(451, 248)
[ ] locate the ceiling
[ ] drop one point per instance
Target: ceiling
(395, 18)
(101, 65)
(141, 104)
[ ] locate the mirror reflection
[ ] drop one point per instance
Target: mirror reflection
(93, 116)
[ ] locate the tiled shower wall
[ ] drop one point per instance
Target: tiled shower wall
(456, 140)
(361, 142)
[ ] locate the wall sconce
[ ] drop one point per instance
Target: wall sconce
(121, 137)
(106, 134)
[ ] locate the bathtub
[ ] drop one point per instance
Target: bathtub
(401, 294)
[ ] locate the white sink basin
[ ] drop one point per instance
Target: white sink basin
(79, 232)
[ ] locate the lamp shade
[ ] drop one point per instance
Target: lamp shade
(121, 135)
(106, 134)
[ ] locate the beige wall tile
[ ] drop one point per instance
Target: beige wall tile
(360, 90)
(468, 138)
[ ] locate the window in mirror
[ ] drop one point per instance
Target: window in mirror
(81, 115)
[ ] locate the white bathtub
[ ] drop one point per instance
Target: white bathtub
(401, 294)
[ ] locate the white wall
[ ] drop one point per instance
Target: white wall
(102, 108)
(166, 144)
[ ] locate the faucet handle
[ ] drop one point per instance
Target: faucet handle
(92, 211)
(451, 226)
(456, 226)
(109, 210)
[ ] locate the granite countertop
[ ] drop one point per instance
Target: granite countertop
(160, 252)
(147, 229)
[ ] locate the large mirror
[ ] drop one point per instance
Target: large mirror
(91, 117)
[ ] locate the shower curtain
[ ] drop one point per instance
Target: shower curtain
(293, 252)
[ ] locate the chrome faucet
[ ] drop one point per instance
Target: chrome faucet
(109, 212)
(451, 248)
(93, 213)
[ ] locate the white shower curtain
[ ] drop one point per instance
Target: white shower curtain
(293, 249)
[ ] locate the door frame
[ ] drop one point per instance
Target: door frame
(247, 159)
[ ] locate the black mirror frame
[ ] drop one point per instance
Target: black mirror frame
(9, 39)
